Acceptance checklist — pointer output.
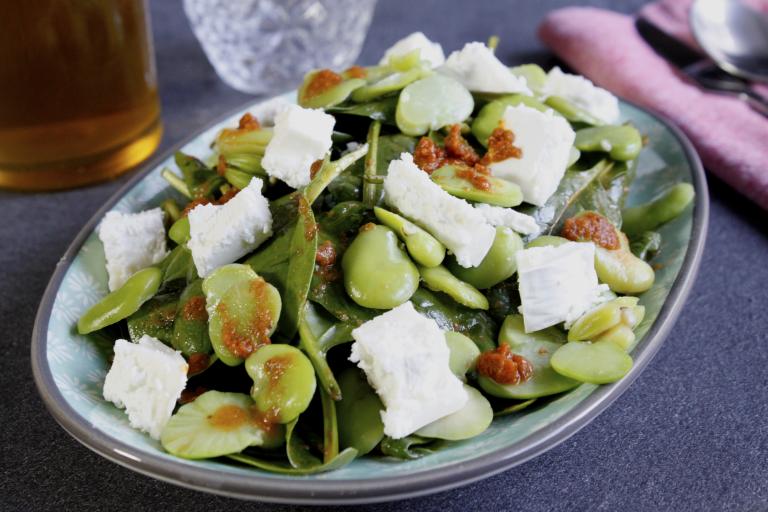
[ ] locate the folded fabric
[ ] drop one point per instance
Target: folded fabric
(731, 138)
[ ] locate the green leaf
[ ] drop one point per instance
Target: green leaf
(154, 318)
(409, 447)
(451, 316)
(201, 181)
(380, 110)
(312, 326)
(341, 460)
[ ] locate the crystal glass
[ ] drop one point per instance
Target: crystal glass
(265, 46)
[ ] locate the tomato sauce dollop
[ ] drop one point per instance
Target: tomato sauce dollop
(504, 367)
(593, 227)
(501, 146)
(322, 81)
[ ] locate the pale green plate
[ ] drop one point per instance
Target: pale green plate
(69, 369)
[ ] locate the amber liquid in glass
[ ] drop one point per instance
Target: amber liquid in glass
(78, 91)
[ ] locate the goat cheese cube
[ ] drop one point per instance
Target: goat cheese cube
(584, 94)
(453, 221)
(557, 284)
(146, 379)
(222, 234)
(405, 357)
(429, 51)
(478, 69)
(546, 141)
(301, 136)
(132, 241)
(507, 217)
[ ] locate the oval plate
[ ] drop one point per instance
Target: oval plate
(69, 369)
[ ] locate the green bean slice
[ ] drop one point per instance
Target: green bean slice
(388, 84)
(498, 192)
(432, 103)
(425, 249)
(620, 142)
(123, 302)
(440, 279)
(471, 420)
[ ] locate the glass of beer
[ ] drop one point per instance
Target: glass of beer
(78, 91)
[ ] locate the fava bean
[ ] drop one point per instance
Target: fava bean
(388, 84)
(621, 270)
(377, 272)
(546, 241)
(283, 381)
(494, 191)
(535, 77)
(620, 142)
(123, 302)
(431, 103)
(498, 265)
(439, 279)
(471, 420)
(571, 112)
(596, 363)
(651, 215)
(425, 249)
(537, 348)
(491, 114)
(464, 353)
(179, 231)
(330, 97)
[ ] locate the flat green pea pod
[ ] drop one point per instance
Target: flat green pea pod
(432, 103)
(217, 424)
(179, 231)
(389, 84)
(440, 279)
(283, 381)
(377, 273)
(649, 216)
(123, 302)
(190, 328)
(329, 97)
(546, 241)
(595, 363)
(425, 249)
(359, 413)
(154, 318)
(469, 421)
(467, 184)
(243, 311)
(490, 115)
(571, 112)
(621, 270)
(612, 321)
(620, 142)
(537, 348)
(463, 354)
(535, 77)
(498, 265)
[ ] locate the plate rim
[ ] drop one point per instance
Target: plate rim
(292, 490)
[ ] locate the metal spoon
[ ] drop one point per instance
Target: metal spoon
(734, 35)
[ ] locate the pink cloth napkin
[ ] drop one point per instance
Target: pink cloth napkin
(731, 138)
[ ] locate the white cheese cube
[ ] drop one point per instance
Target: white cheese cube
(546, 141)
(132, 241)
(507, 217)
(301, 136)
(146, 379)
(453, 221)
(222, 234)
(557, 284)
(478, 69)
(429, 51)
(405, 357)
(584, 94)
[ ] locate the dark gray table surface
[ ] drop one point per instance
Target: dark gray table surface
(690, 434)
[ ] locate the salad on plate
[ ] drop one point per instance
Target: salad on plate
(406, 253)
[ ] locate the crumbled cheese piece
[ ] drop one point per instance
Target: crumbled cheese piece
(405, 357)
(301, 136)
(146, 379)
(557, 284)
(132, 241)
(507, 217)
(584, 94)
(267, 111)
(429, 51)
(453, 221)
(222, 234)
(479, 70)
(546, 141)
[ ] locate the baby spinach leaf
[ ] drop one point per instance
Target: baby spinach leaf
(380, 110)
(409, 447)
(154, 318)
